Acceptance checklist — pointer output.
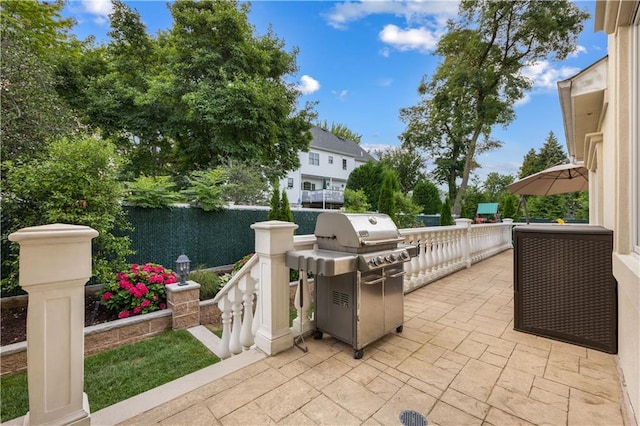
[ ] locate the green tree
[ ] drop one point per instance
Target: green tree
(74, 181)
(355, 201)
(246, 182)
(285, 209)
(551, 153)
(476, 85)
(33, 35)
(445, 213)
(473, 196)
(206, 188)
(406, 162)
(386, 199)
(427, 196)
(151, 192)
(341, 131)
(406, 212)
(530, 164)
(496, 184)
(508, 204)
(368, 178)
(275, 212)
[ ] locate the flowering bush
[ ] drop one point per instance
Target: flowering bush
(139, 290)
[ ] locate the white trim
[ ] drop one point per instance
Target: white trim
(634, 134)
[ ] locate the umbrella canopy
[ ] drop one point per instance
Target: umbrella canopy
(554, 180)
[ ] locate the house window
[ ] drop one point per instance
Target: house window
(308, 186)
(289, 182)
(314, 158)
(331, 159)
(344, 164)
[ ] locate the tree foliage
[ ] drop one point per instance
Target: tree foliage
(151, 192)
(427, 196)
(275, 213)
(355, 201)
(386, 199)
(247, 182)
(368, 178)
(479, 79)
(341, 131)
(205, 189)
(206, 90)
(73, 182)
(406, 162)
(33, 37)
(446, 218)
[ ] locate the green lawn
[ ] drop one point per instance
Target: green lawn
(115, 375)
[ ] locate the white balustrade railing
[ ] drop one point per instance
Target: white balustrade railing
(236, 303)
(441, 250)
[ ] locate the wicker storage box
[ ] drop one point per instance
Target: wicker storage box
(564, 288)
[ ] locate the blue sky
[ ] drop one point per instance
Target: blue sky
(362, 62)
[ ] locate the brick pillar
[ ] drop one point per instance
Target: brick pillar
(55, 264)
(184, 301)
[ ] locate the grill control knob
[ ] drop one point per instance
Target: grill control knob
(392, 257)
(404, 255)
(378, 260)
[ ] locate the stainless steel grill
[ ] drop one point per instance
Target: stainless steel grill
(358, 264)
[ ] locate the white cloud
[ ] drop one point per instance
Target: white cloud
(420, 39)
(412, 11)
(578, 50)
(342, 95)
(385, 82)
(100, 8)
(308, 85)
(545, 77)
(385, 52)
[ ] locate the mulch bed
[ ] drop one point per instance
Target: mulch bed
(13, 323)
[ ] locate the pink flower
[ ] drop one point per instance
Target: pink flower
(134, 267)
(147, 268)
(155, 279)
(145, 303)
(107, 295)
(170, 279)
(137, 310)
(163, 306)
(125, 284)
(158, 269)
(123, 314)
(142, 288)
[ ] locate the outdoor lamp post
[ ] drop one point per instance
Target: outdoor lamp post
(182, 268)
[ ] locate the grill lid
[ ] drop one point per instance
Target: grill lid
(341, 231)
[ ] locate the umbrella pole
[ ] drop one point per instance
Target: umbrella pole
(526, 210)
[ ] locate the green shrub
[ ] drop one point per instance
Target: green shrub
(74, 181)
(151, 192)
(210, 282)
(445, 214)
(355, 201)
(206, 189)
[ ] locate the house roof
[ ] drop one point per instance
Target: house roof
(327, 141)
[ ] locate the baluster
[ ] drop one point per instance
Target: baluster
(437, 251)
(225, 307)
(408, 266)
(236, 308)
(258, 315)
(423, 261)
(302, 322)
(431, 243)
(448, 252)
(247, 287)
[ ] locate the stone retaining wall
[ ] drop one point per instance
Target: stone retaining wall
(101, 337)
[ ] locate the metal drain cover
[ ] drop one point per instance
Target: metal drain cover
(413, 418)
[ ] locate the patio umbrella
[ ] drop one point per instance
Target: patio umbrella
(554, 180)
(559, 179)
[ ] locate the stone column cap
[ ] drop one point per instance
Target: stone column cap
(57, 230)
(274, 224)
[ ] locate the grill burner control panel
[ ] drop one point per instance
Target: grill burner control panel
(376, 260)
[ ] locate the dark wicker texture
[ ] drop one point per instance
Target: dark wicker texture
(564, 287)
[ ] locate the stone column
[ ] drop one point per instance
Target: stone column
(466, 244)
(273, 239)
(55, 264)
(184, 301)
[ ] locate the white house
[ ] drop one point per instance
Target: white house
(324, 170)
(601, 113)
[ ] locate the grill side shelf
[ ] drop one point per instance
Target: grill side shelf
(322, 262)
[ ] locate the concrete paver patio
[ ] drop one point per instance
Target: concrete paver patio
(458, 361)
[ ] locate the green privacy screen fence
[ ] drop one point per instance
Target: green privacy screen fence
(209, 239)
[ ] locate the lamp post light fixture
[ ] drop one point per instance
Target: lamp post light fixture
(182, 268)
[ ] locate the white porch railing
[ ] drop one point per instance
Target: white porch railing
(441, 251)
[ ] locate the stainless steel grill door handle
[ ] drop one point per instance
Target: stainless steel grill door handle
(376, 281)
(397, 274)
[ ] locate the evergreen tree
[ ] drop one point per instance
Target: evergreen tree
(386, 201)
(427, 196)
(445, 213)
(274, 213)
(285, 210)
